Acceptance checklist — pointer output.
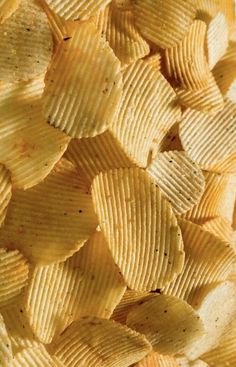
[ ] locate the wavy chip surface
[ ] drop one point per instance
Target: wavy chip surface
(7, 8)
(5, 345)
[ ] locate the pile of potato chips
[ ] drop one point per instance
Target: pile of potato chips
(117, 183)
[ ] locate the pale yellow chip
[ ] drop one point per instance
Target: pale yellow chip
(165, 23)
(170, 324)
(217, 39)
(6, 355)
(208, 259)
(224, 355)
(140, 227)
(87, 284)
(34, 357)
(226, 208)
(147, 111)
(97, 342)
(211, 140)
(157, 360)
(7, 8)
(180, 180)
(186, 62)
(26, 43)
(52, 220)
(5, 192)
(29, 148)
(13, 275)
(97, 154)
(80, 103)
(220, 227)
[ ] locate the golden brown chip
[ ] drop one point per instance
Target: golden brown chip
(34, 357)
(5, 192)
(170, 324)
(186, 62)
(208, 259)
(224, 355)
(140, 227)
(154, 59)
(5, 346)
(13, 275)
(217, 39)
(180, 180)
(7, 8)
(165, 23)
(220, 227)
(97, 342)
(87, 284)
(80, 103)
(26, 43)
(157, 360)
(147, 111)
(124, 4)
(52, 220)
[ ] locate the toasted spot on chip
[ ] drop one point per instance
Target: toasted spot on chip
(180, 180)
(80, 103)
(13, 275)
(157, 360)
(208, 259)
(98, 342)
(217, 39)
(26, 43)
(52, 220)
(220, 227)
(33, 357)
(7, 8)
(147, 111)
(170, 324)
(5, 345)
(165, 23)
(223, 355)
(5, 192)
(86, 284)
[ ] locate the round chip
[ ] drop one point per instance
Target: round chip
(5, 192)
(6, 356)
(217, 39)
(128, 205)
(33, 357)
(7, 8)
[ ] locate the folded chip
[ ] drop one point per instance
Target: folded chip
(140, 227)
(75, 102)
(5, 192)
(7, 8)
(157, 360)
(87, 284)
(170, 324)
(52, 220)
(34, 357)
(6, 355)
(217, 39)
(97, 342)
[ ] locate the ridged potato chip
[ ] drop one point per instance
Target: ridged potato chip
(97, 342)
(88, 283)
(147, 111)
(75, 102)
(220, 227)
(124, 4)
(5, 192)
(14, 270)
(180, 180)
(52, 220)
(7, 8)
(186, 62)
(165, 23)
(208, 259)
(226, 208)
(170, 324)
(26, 43)
(217, 39)
(34, 357)
(223, 355)
(154, 60)
(128, 205)
(157, 360)
(6, 355)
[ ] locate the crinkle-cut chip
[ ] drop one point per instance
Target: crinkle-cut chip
(198, 363)
(34, 357)
(140, 227)
(154, 60)
(157, 360)
(13, 275)
(124, 4)
(6, 355)
(210, 140)
(5, 192)
(29, 147)
(180, 180)
(224, 355)
(88, 283)
(208, 259)
(97, 154)
(170, 324)
(165, 23)
(217, 39)
(52, 220)
(186, 62)
(216, 306)
(220, 227)
(147, 111)
(208, 100)
(226, 207)
(26, 43)
(7, 8)
(80, 103)
(171, 141)
(94, 342)
(124, 38)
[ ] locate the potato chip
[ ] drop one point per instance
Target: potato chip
(171, 141)
(97, 154)
(157, 360)
(210, 140)
(5, 345)
(180, 180)
(7, 8)
(13, 275)
(217, 39)
(5, 192)
(165, 23)
(26, 43)
(52, 220)
(88, 283)
(147, 111)
(74, 102)
(33, 357)
(214, 313)
(154, 60)
(170, 324)
(29, 148)
(226, 208)
(97, 342)
(220, 227)
(186, 62)
(223, 355)
(208, 259)
(124, 4)
(128, 205)
(198, 363)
